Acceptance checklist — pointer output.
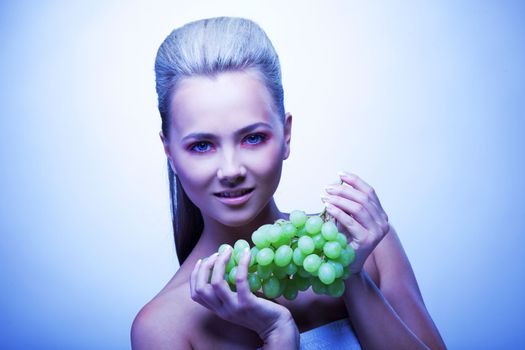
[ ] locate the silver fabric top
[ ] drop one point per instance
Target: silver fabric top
(335, 335)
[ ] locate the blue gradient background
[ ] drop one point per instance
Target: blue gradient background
(424, 100)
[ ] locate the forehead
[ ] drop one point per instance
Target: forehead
(227, 101)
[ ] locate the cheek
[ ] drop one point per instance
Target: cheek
(194, 175)
(267, 165)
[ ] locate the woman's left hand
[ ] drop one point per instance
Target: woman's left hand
(359, 215)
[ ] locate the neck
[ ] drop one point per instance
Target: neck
(214, 233)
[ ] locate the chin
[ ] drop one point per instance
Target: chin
(238, 218)
(235, 220)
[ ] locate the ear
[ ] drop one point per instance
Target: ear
(165, 144)
(287, 134)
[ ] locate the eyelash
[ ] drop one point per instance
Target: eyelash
(262, 138)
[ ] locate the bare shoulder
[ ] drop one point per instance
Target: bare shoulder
(163, 323)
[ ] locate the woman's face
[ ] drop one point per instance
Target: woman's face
(226, 144)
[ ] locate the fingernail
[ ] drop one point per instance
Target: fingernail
(329, 188)
(324, 198)
(342, 173)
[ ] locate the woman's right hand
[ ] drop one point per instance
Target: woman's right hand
(271, 321)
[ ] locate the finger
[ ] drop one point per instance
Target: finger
(241, 279)
(202, 289)
(356, 210)
(349, 192)
(193, 278)
(193, 281)
(356, 230)
(218, 283)
(360, 184)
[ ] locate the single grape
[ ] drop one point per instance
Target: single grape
(303, 273)
(279, 272)
(336, 289)
(290, 290)
(301, 282)
(312, 262)
(274, 233)
(283, 240)
(338, 268)
(313, 225)
(265, 256)
(271, 287)
(342, 240)
(318, 287)
(289, 230)
(298, 257)
(347, 256)
(281, 222)
(298, 218)
(290, 269)
(237, 255)
(306, 244)
(232, 274)
(240, 245)
(254, 251)
(282, 285)
(260, 238)
(283, 255)
(329, 231)
(254, 281)
(230, 264)
(223, 247)
(301, 232)
(332, 249)
(319, 241)
(326, 273)
(264, 272)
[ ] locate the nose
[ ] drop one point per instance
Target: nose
(230, 172)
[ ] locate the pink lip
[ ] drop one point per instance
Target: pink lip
(236, 200)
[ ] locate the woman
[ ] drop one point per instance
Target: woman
(225, 134)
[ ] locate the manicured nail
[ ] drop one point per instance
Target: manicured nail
(329, 188)
(324, 198)
(342, 173)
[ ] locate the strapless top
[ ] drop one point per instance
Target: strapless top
(334, 335)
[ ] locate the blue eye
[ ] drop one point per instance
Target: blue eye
(200, 147)
(255, 139)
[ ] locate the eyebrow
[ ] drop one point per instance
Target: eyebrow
(204, 135)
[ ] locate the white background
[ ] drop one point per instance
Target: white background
(424, 100)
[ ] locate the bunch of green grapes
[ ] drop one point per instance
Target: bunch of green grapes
(290, 256)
